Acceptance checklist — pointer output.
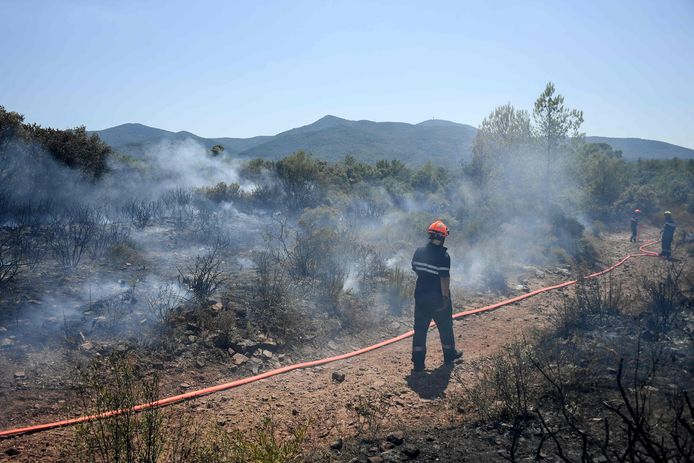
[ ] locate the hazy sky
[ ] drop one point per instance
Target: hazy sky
(232, 68)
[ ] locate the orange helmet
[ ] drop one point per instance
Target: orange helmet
(438, 228)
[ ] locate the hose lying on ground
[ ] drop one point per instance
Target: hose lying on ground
(297, 366)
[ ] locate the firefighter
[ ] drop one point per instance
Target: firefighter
(667, 234)
(634, 222)
(432, 297)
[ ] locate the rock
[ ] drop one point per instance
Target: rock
(239, 359)
(245, 345)
(332, 345)
(392, 456)
(357, 460)
(410, 450)
(200, 363)
(336, 444)
(12, 452)
(338, 376)
(386, 445)
(268, 343)
(231, 352)
(192, 327)
(266, 354)
(217, 307)
(395, 326)
(375, 459)
(396, 437)
(19, 375)
(87, 345)
(521, 288)
(184, 385)
(6, 342)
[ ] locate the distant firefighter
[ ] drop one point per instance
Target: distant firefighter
(634, 222)
(432, 296)
(667, 234)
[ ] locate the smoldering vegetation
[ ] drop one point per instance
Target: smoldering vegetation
(185, 258)
(198, 257)
(609, 381)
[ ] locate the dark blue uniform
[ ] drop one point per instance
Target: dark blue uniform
(634, 227)
(431, 263)
(666, 239)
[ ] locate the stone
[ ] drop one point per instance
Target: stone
(19, 375)
(231, 352)
(244, 345)
(184, 385)
(332, 345)
(410, 450)
(87, 345)
(239, 359)
(200, 363)
(336, 444)
(6, 342)
(266, 354)
(396, 437)
(375, 459)
(386, 445)
(392, 456)
(338, 376)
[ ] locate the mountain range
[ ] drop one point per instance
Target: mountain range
(332, 138)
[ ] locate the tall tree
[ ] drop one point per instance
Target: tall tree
(555, 125)
(500, 142)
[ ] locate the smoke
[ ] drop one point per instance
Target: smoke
(499, 227)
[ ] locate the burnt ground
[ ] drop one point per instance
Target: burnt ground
(420, 406)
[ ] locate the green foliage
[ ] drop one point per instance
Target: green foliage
(603, 177)
(223, 192)
(129, 437)
(555, 127)
(216, 150)
(73, 147)
(501, 134)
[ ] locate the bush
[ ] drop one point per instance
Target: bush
(9, 263)
(503, 388)
(158, 435)
(73, 147)
(69, 236)
(273, 309)
(223, 192)
(592, 302)
(142, 213)
(205, 276)
(112, 384)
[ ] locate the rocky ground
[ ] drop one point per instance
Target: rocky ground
(366, 408)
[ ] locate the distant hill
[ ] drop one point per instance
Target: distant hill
(134, 138)
(332, 138)
(635, 148)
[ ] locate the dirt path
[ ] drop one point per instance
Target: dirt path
(414, 402)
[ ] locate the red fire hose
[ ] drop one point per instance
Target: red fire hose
(240, 382)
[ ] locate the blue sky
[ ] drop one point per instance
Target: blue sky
(239, 69)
